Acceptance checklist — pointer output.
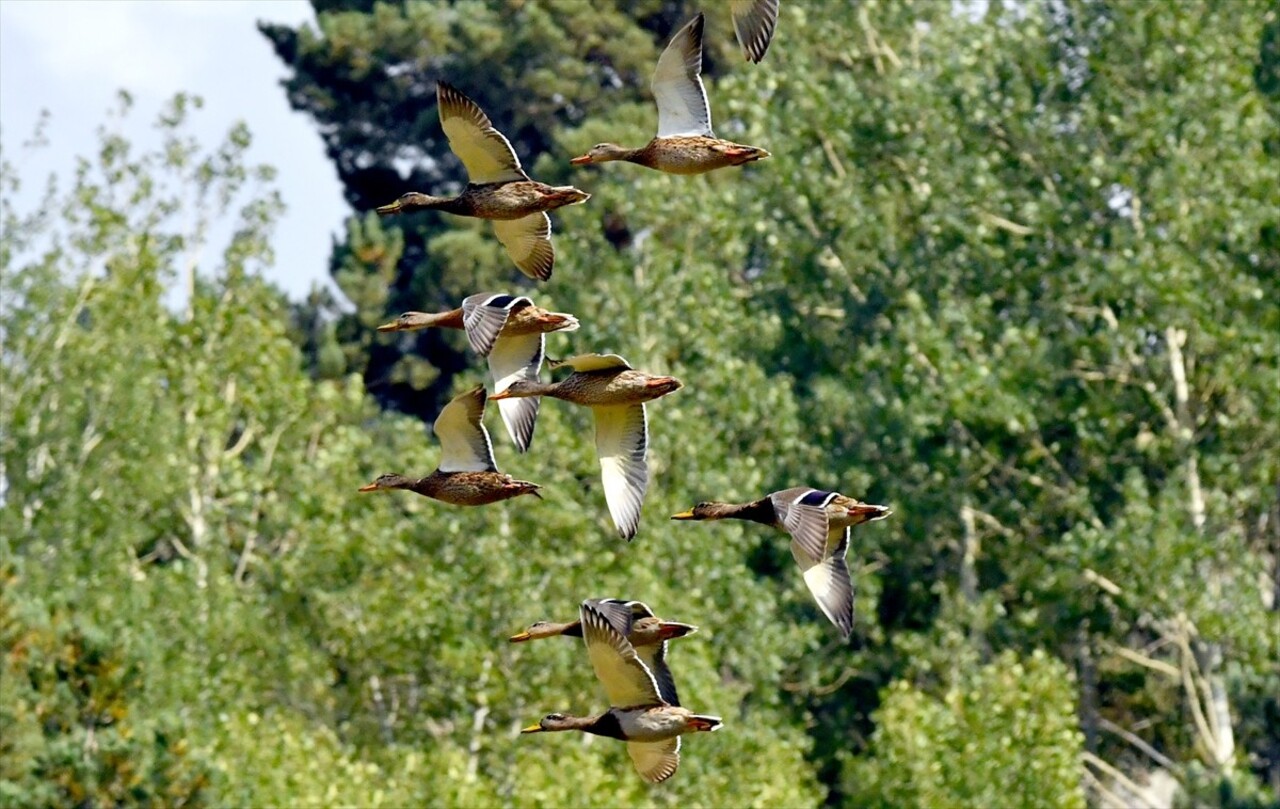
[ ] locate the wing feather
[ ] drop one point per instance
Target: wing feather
(483, 150)
(655, 761)
(591, 362)
(622, 436)
(753, 24)
(828, 581)
(485, 313)
(805, 518)
(677, 85)
(512, 358)
(464, 442)
(528, 243)
(627, 681)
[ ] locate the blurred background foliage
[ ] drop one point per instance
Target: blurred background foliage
(1013, 270)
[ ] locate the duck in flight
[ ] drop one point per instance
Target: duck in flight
(639, 716)
(819, 524)
(498, 190)
(637, 623)
(616, 394)
(509, 331)
(685, 143)
(467, 475)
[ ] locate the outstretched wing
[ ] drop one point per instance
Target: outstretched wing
(622, 436)
(828, 581)
(464, 442)
(512, 358)
(528, 243)
(485, 152)
(753, 24)
(485, 313)
(626, 680)
(804, 515)
(655, 761)
(584, 363)
(677, 85)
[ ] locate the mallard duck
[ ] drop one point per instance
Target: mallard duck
(819, 524)
(467, 475)
(508, 330)
(685, 143)
(616, 395)
(642, 629)
(753, 24)
(498, 190)
(639, 716)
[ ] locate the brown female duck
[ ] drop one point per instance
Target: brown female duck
(685, 143)
(508, 330)
(498, 190)
(819, 524)
(467, 475)
(616, 395)
(648, 724)
(637, 623)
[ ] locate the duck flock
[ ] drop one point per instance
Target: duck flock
(626, 643)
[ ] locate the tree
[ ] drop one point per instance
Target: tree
(974, 280)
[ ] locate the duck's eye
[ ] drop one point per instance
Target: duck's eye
(555, 717)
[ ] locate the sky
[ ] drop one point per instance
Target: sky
(70, 57)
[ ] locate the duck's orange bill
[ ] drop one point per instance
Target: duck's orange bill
(579, 161)
(503, 395)
(522, 636)
(383, 210)
(372, 487)
(684, 515)
(532, 729)
(392, 326)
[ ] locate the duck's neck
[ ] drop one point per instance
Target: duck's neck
(451, 319)
(427, 202)
(428, 486)
(604, 724)
(573, 629)
(536, 388)
(760, 511)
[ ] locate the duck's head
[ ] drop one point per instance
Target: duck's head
(405, 202)
(389, 482)
(551, 723)
(601, 153)
(520, 388)
(538, 629)
(409, 321)
(702, 511)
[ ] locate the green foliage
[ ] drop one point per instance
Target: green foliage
(1003, 734)
(72, 731)
(1013, 276)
